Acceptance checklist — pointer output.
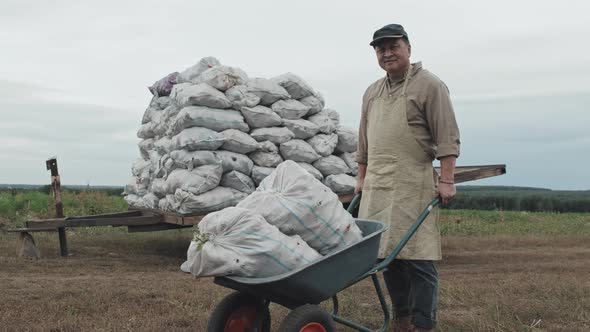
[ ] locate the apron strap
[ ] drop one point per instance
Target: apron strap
(406, 80)
(386, 85)
(383, 86)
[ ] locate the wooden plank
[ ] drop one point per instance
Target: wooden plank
(132, 213)
(47, 223)
(92, 222)
(20, 230)
(179, 219)
(155, 227)
(472, 173)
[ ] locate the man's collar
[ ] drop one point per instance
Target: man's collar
(414, 69)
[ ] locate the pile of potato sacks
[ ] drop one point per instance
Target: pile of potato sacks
(211, 134)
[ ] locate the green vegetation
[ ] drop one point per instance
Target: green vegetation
(486, 223)
(520, 199)
(18, 205)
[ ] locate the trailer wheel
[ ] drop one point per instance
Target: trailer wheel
(239, 312)
(308, 318)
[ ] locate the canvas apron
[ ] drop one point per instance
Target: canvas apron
(399, 182)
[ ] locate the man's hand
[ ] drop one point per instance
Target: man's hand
(446, 184)
(446, 192)
(359, 186)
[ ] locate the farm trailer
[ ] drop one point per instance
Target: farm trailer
(143, 220)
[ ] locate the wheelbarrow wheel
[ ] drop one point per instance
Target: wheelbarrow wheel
(308, 318)
(239, 312)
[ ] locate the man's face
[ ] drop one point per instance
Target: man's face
(394, 56)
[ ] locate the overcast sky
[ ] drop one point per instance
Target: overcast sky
(73, 74)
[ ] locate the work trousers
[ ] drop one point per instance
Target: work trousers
(413, 287)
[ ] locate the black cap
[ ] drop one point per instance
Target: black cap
(389, 31)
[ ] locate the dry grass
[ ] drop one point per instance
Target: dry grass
(130, 282)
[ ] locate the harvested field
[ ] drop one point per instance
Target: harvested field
(115, 281)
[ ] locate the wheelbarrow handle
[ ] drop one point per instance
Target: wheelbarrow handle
(354, 203)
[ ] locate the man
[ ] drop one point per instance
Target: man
(407, 121)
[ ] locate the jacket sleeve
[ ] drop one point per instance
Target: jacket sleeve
(361, 152)
(441, 120)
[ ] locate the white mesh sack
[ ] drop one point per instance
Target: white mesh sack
(190, 74)
(197, 138)
(165, 145)
(294, 85)
(196, 181)
(201, 94)
(298, 150)
(238, 181)
(150, 201)
(239, 242)
(167, 203)
(141, 167)
(232, 161)
(189, 159)
(297, 203)
(350, 160)
(268, 91)
(315, 103)
(259, 173)
(145, 146)
(223, 77)
(290, 109)
(137, 186)
(147, 130)
(160, 103)
(147, 115)
(348, 140)
(266, 159)
(312, 170)
(302, 129)
(324, 144)
(135, 201)
(267, 146)
(340, 183)
(239, 96)
(331, 165)
(210, 118)
(260, 117)
(323, 121)
(158, 187)
(239, 142)
(213, 200)
(276, 135)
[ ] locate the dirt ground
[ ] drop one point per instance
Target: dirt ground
(114, 281)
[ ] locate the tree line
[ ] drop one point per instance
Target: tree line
(519, 199)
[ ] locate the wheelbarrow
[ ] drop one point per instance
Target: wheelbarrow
(303, 289)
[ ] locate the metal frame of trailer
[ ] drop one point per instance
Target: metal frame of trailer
(142, 220)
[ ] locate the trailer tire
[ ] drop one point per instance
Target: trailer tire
(308, 318)
(240, 312)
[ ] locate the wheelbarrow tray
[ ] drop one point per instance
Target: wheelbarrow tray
(319, 280)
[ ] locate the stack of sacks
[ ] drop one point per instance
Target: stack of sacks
(289, 221)
(211, 134)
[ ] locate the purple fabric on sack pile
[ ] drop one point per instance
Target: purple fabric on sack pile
(163, 87)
